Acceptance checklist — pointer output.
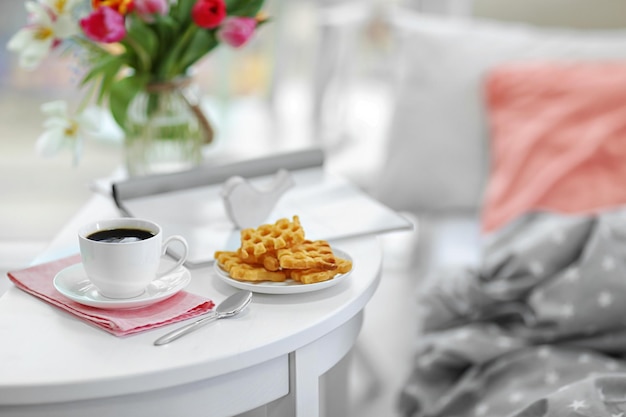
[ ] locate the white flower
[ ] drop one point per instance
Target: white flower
(61, 7)
(63, 131)
(63, 10)
(34, 41)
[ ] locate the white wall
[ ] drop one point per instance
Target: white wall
(565, 13)
(573, 13)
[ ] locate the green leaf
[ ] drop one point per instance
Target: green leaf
(202, 42)
(143, 40)
(109, 74)
(248, 8)
(104, 72)
(144, 35)
(170, 66)
(121, 93)
(99, 68)
(165, 28)
(167, 31)
(183, 10)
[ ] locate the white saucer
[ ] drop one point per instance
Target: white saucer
(73, 283)
(285, 287)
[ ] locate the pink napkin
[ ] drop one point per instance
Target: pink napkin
(37, 280)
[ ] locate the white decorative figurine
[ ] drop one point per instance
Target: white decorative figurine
(248, 206)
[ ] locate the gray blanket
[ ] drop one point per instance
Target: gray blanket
(539, 329)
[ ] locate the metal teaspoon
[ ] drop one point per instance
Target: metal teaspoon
(227, 308)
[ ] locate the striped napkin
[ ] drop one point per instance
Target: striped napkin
(38, 281)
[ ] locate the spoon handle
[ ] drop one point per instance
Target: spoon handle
(175, 334)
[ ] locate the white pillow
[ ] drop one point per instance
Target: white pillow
(437, 155)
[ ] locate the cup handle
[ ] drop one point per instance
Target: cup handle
(181, 259)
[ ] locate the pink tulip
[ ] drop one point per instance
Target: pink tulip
(236, 31)
(146, 9)
(104, 25)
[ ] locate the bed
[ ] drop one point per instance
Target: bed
(508, 143)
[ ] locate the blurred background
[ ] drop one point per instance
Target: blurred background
(293, 85)
(320, 74)
(317, 75)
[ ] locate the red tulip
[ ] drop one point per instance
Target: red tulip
(104, 25)
(208, 14)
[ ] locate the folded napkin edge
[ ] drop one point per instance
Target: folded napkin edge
(180, 306)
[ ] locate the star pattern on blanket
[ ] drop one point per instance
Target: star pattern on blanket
(481, 409)
(505, 342)
(552, 377)
(612, 366)
(544, 351)
(605, 299)
(585, 288)
(567, 311)
(577, 405)
(572, 275)
(584, 358)
(463, 334)
(572, 280)
(608, 263)
(558, 236)
(516, 397)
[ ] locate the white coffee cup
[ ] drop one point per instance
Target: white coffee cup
(123, 267)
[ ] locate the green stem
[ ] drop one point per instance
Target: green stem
(88, 96)
(174, 57)
(144, 58)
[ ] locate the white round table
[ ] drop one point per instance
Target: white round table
(268, 359)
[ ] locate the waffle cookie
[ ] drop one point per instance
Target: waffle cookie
(268, 260)
(307, 255)
(263, 242)
(278, 252)
(311, 276)
(242, 271)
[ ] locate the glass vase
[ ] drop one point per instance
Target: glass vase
(165, 130)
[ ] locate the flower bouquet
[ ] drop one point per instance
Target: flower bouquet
(137, 56)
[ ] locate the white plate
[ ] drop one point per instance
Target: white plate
(286, 287)
(73, 283)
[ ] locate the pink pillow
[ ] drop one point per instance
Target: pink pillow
(558, 139)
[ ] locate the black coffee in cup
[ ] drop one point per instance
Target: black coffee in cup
(121, 235)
